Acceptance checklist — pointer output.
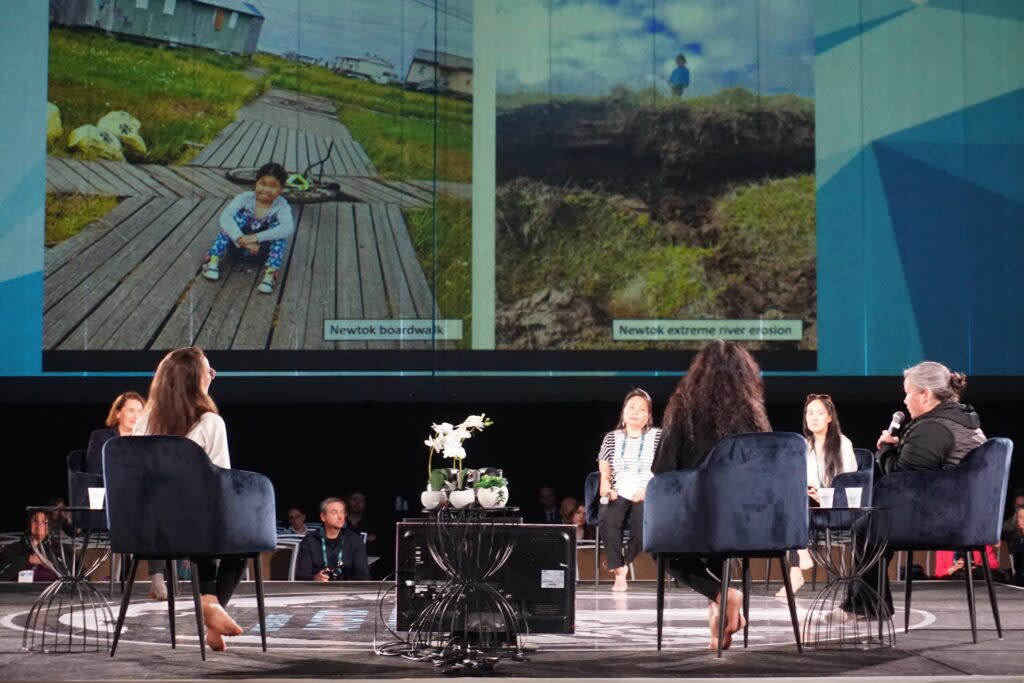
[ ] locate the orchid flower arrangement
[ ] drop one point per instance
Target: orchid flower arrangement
(447, 440)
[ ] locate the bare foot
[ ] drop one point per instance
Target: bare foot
(796, 577)
(215, 641)
(217, 620)
(734, 620)
(620, 584)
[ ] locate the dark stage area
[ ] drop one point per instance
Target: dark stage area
(328, 631)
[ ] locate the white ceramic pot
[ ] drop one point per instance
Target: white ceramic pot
(460, 499)
(492, 497)
(433, 499)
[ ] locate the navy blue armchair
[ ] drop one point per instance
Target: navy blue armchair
(748, 498)
(957, 509)
(864, 477)
(592, 502)
(79, 483)
(166, 500)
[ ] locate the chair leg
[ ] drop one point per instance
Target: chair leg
(597, 556)
(746, 599)
(199, 610)
(723, 603)
(767, 571)
(883, 570)
(125, 599)
(257, 570)
(969, 575)
(791, 599)
(908, 587)
(168, 567)
(661, 596)
(991, 592)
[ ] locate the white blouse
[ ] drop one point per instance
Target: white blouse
(816, 462)
(210, 433)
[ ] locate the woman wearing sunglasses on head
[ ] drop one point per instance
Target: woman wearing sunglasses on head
(829, 453)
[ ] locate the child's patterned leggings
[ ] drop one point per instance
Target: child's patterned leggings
(274, 249)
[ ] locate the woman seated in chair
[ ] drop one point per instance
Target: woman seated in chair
(179, 405)
(121, 418)
(829, 453)
(721, 394)
(624, 461)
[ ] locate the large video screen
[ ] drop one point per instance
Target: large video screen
(513, 186)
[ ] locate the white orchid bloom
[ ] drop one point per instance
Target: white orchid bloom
(474, 422)
(455, 451)
(443, 428)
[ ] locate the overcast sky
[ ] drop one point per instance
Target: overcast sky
(392, 29)
(586, 47)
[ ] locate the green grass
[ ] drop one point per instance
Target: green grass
(584, 243)
(67, 214)
(453, 256)
(727, 99)
(179, 95)
(403, 148)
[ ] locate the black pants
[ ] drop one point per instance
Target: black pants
(220, 581)
(695, 573)
(860, 602)
(613, 518)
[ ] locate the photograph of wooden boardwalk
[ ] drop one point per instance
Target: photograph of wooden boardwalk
(130, 281)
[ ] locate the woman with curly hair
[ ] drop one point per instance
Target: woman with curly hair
(721, 394)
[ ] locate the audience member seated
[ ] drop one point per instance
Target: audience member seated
(20, 556)
(357, 520)
(121, 418)
(335, 554)
(1011, 522)
(60, 516)
(547, 503)
(579, 520)
(829, 453)
(949, 564)
(567, 508)
(1015, 544)
(624, 461)
(296, 522)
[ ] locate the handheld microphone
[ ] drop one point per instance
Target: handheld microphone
(897, 421)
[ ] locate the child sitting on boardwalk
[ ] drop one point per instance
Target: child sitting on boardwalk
(259, 222)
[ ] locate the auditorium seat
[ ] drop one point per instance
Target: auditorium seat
(747, 499)
(958, 509)
(166, 500)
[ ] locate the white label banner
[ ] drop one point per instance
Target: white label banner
(706, 330)
(392, 330)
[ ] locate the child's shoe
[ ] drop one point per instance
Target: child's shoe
(211, 269)
(266, 286)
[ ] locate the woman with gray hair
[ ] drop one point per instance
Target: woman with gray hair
(941, 432)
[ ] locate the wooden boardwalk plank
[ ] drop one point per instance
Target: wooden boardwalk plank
(348, 297)
(294, 305)
(253, 138)
(423, 298)
(291, 153)
(229, 144)
(410, 189)
(99, 177)
(139, 172)
(371, 279)
(280, 148)
(66, 184)
(256, 155)
(206, 152)
(219, 329)
(61, 320)
(400, 300)
(255, 329)
(84, 184)
(146, 317)
(103, 249)
(322, 284)
(59, 254)
(301, 151)
(133, 184)
(174, 183)
(320, 143)
(107, 323)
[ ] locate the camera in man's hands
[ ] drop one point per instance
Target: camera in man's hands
(335, 574)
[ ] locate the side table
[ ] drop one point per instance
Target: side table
(848, 542)
(70, 615)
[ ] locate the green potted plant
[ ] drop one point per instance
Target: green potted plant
(491, 491)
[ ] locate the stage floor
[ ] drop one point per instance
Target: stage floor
(327, 631)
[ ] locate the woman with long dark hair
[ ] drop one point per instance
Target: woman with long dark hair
(625, 460)
(829, 453)
(721, 394)
(179, 405)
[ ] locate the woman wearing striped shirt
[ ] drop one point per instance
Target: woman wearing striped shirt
(625, 463)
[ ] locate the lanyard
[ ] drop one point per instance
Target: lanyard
(323, 547)
(639, 452)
